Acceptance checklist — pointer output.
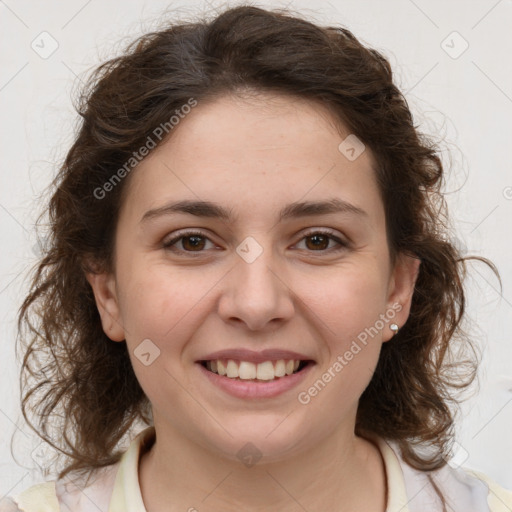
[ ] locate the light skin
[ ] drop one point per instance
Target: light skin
(254, 156)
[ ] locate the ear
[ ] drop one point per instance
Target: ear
(401, 289)
(104, 288)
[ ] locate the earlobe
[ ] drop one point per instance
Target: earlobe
(401, 290)
(104, 289)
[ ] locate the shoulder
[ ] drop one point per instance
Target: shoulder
(463, 488)
(76, 491)
(73, 493)
(498, 498)
(38, 498)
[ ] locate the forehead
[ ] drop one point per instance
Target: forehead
(250, 153)
(237, 127)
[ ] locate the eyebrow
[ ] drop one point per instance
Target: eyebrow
(292, 210)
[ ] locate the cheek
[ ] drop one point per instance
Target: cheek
(346, 300)
(156, 303)
(347, 311)
(159, 306)
(346, 306)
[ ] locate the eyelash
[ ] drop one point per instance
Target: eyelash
(169, 244)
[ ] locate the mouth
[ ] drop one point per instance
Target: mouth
(264, 371)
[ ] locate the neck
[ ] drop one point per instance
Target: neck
(343, 472)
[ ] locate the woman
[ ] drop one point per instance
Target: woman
(249, 254)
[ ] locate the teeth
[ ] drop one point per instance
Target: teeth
(245, 370)
(280, 368)
(265, 371)
(232, 369)
(221, 369)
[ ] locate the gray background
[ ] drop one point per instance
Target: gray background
(463, 98)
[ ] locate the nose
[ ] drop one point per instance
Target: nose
(257, 294)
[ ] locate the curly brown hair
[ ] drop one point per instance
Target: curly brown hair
(79, 384)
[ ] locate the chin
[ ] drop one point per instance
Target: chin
(265, 441)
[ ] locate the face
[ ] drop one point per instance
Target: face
(255, 286)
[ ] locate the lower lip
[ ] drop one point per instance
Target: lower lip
(256, 389)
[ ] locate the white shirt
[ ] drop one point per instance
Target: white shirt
(116, 488)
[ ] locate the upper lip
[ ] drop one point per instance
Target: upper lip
(252, 356)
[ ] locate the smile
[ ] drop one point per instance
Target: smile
(246, 370)
(248, 380)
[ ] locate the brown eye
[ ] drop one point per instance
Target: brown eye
(190, 242)
(195, 242)
(318, 241)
